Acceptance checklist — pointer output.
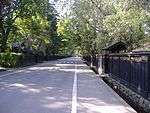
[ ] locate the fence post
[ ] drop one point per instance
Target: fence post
(103, 67)
(111, 66)
(119, 73)
(100, 64)
(130, 73)
(148, 77)
(106, 61)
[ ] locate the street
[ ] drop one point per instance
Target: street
(61, 86)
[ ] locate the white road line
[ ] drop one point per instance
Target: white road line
(74, 93)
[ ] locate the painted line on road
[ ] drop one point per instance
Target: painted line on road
(74, 93)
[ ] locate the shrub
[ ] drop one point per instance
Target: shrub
(10, 60)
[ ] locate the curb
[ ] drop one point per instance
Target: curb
(2, 69)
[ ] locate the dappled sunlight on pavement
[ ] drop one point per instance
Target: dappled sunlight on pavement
(47, 88)
(43, 68)
(37, 90)
(94, 96)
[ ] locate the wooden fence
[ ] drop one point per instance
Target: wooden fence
(130, 69)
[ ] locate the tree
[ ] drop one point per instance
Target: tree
(52, 19)
(94, 24)
(10, 10)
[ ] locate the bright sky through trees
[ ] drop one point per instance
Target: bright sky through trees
(62, 6)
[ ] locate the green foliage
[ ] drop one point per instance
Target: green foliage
(90, 26)
(67, 37)
(94, 24)
(25, 10)
(31, 21)
(126, 26)
(10, 60)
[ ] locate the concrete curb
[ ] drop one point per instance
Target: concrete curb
(2, 69)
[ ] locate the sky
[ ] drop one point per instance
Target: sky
(62, 6)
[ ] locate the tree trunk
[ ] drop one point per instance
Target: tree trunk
(1, 31)
(4, 39)
(1, 19)
(4, 44)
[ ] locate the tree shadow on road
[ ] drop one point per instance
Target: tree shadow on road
(47, 88)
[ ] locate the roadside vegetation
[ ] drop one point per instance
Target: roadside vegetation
(27, 27)
(34, 26)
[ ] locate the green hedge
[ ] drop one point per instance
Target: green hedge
(10, 60)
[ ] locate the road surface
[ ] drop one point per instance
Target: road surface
(62, 86)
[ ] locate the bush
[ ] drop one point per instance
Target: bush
(10, 60)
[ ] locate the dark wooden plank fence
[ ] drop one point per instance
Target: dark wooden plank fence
(130, 69)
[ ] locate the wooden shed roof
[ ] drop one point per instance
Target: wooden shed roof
(117, 46)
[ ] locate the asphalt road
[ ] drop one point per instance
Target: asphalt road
(62, 86)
